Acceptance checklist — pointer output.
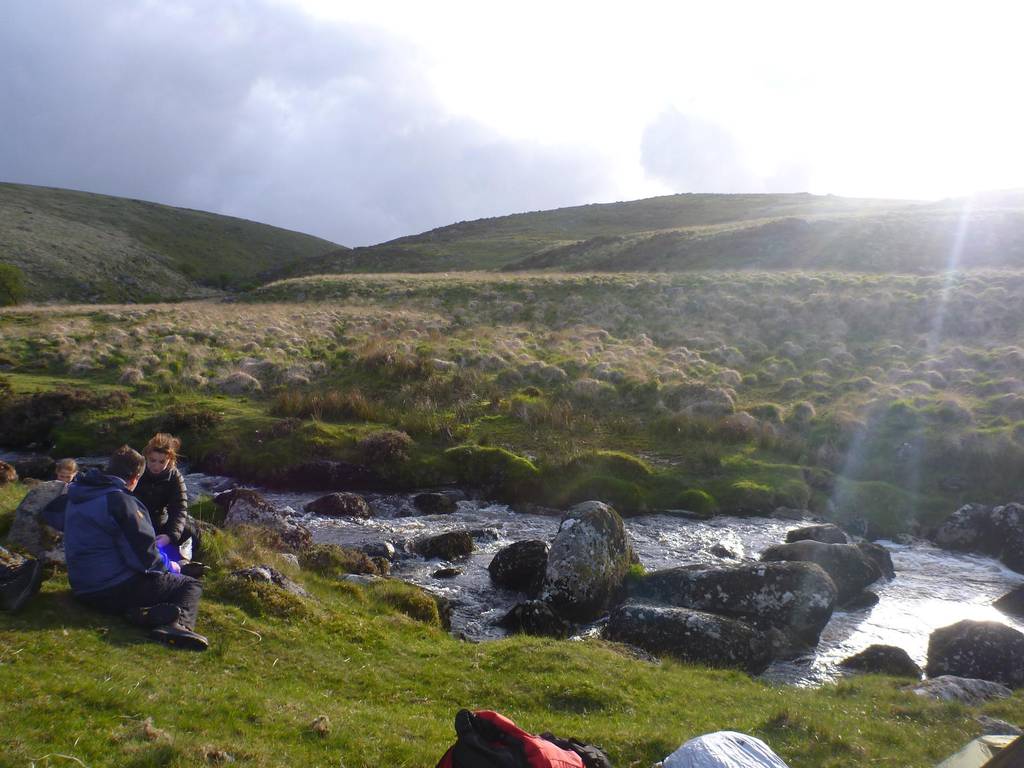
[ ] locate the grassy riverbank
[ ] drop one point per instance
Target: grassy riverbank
(79, 685)
(893, 398)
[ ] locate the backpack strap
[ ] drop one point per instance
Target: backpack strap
(593, 757)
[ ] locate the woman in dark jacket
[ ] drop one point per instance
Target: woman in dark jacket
(162, 489)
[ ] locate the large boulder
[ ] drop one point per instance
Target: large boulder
(985, 650)
(35, 468)
(966, 690)
(826, 534)
(535, 617)
(587, 563)
(450, 545)
(793, 600)
(881, 556)
(691, 635)
(521, 566)
(994, 531)
(340, 505)
(435, 503)
(849, 567)
(245, 507)
(1011, 603)
(29, 532)
(885, 660)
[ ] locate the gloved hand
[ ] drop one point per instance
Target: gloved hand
(163, 540)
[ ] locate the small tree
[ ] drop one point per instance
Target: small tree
(12, 285)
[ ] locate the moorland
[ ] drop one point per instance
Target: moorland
(693, 354)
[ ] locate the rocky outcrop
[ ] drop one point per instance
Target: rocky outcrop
(340, 505)
(268, 575)
(994, 531)
(885, 660)
(849, 567)
(521, 566)
(246, 507)
(985, 650)
(588, 561)
(450, 545)
(792, 601)
(1011, 603)
(535, 617)
(29, 532)
(968, 691)
(826, 534)
(434, 503)
(691, 635)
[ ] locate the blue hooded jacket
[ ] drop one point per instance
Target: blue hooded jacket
(108, 537)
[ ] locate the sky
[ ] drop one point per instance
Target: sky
(362, 122)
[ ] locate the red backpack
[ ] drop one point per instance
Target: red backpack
(486, 739)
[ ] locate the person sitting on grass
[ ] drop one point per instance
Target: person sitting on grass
(112, 558)
(20, 578)
(66, 470)
(162, 490)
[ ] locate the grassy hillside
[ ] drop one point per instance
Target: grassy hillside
(688, 232)
(86, 247)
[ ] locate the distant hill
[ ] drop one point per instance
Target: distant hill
(698, 231)
(80, 246)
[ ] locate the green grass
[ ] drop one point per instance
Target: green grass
(741, 385)
(373, 661)
(82, 246)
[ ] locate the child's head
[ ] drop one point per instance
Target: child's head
(161, 452)
(66, 470)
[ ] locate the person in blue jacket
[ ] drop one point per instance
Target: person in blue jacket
(113, 561)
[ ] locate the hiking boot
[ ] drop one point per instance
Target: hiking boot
(194, 569)
(24, 583)
(177, 636)
(153, 615)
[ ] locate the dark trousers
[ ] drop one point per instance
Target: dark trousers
(148, 589)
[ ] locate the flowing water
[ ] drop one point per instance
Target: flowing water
(933, 588)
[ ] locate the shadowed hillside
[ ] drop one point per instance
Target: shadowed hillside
(685, 232)
(88, 247)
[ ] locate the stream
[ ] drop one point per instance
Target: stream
(933, 587)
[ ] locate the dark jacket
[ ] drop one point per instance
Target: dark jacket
(107, 534)
(165, 498)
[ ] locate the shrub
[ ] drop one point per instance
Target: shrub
(332, 560)
(613, 463)
(769, 412)
(388, 446)
(495, 470)
(332, 405)
(746, 496)
(12, 285)
(183, 418)
(410, 600)
(696, 500)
